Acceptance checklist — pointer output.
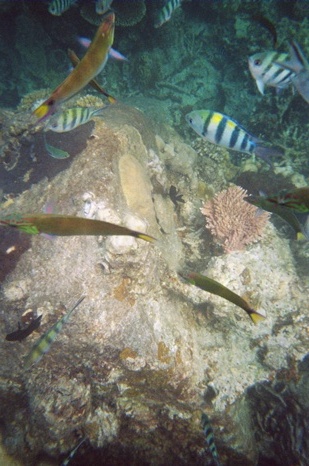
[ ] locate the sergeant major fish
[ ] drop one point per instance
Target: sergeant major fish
(266, 69)
(57, 7)
(72, 118)
(43, 344)
(299, 65)
(223, 131)
(166, 12)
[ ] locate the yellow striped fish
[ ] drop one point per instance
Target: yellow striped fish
(226, 132)
(72, 118)
(43, 344)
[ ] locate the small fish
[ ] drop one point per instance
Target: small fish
(72, 118)
(68, 225)
(296, 200)
(55, 152)
(85, 42)
(266, 69)
(214, 287)
(75, 60)
(298, 220)
(57, 7)
(42, 345)
(223, 131)
(87, 69)
(21, 334)
(102, 6)
(175, 197)
(299, 65)
(73, 452)
(210, 439)
(267, 24)
(166, 12)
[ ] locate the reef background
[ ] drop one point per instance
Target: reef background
(146, 353)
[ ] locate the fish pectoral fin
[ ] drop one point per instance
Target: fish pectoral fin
(260, 86)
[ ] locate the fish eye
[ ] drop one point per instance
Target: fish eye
(257, 62)
(190, 120)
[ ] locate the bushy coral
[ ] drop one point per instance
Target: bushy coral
(233, 222)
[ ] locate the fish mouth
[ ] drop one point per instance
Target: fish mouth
(109, 23)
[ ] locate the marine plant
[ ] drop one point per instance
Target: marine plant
(231, 221)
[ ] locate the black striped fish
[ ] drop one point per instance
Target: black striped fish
(223, 131)
(42, 345)
(266, 70)
(57, 7)
(72, 118)
(210, 440)
(166, 12)
(299, 66)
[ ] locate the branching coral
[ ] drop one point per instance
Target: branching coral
(232, 221)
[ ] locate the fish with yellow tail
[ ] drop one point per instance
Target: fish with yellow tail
(292, 206)
(86, 70)
(224, 131)
(68, 225)
(42, 345)
(214, 287)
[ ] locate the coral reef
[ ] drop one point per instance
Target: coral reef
(232, 221)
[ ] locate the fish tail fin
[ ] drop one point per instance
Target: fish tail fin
(111, 99)
(45, 109)
(145, 237)
(266, 152)
(255, 316)
(100, 111)
(297, 60)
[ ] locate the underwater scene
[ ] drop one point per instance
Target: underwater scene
(154, 232)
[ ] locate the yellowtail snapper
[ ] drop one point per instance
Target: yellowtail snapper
(266, 70)
(68, 225)
(214, 287)
(23, 333)
(42, 345)
(300, 66)
(72, 118)
(210, 439)
(57, 7)
(223, 131)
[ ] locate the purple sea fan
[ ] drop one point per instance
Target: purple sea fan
(233, 222)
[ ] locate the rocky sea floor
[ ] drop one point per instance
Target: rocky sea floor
(146, 353)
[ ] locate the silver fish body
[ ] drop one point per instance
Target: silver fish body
(72, 118)
(57, 7)
(226, 132)
(166, 12)
(298, 64)
(266, 69)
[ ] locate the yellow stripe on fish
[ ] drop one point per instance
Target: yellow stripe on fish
(43, 344)
(226, 132)
(89, 66)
